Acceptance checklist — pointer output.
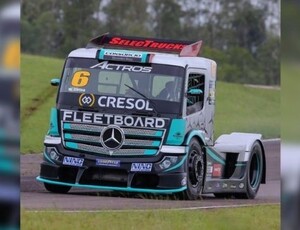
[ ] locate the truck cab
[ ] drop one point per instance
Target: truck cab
(137, 114)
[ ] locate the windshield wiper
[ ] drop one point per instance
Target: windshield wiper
(144, 96)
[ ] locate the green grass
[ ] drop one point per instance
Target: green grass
(290, 72)
(35, 81)
(37, 97)
(257, 218)
(238, 108)
(245, 109)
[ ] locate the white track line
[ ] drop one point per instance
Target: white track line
(148, 210)
(271, 140)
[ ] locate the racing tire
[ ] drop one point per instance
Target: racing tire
(195, 165)
(254, 173)
(57, 188)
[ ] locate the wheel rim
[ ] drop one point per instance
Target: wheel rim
(254, 170)
(195, 168)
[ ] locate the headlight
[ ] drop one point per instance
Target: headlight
(167, 162)
(52, 153)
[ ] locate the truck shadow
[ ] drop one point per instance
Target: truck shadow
(145, 196)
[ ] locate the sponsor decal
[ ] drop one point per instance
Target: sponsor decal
(211, 93)
(209, 169)
(209, 187)
(121, 67)
(183, 181)
(109, 119)
(224, 185)
(141, 167)
(217, 170)
(122, 55)
(73, 161)
(86, 99)
(112, 137)
(233, 186)
(146, 43)
(76, 90)
(124, 103)
(80, 78)
(108, 162)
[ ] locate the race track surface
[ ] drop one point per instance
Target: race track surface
(35, 197)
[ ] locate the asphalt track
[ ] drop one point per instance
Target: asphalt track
(35, 197)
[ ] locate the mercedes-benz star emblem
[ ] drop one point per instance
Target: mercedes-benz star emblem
(112, 137)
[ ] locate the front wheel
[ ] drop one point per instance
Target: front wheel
(254, 172)
(57, 188)
(195, 171)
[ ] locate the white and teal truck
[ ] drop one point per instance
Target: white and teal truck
(137, 115)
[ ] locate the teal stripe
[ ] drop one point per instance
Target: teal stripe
(240, 164)
(7, 165)
(150, 152)
(67, 126)
(72, 145)
(3, 151)
(144, 57)
(101, 54)
(176, 132)
(195, 133)
(177, 165)
(127, 189)
(158, 133)
(142, 60)
(53, 130)
(156, 143)
(214, 156)
(68, 136)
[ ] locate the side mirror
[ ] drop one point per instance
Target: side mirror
(194, 92)
(55, 81)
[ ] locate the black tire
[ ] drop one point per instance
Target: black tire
(195, 165)
(254, 172)
(57, 188)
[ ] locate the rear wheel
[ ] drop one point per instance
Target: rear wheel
(57, 188)
(195, 171)
(254, 173)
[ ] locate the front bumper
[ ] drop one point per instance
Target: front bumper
(119, 173)
(113, 179)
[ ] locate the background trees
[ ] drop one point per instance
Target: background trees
(242, 37)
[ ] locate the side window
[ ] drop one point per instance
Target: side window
(195, 102)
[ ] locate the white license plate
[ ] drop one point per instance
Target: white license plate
(73, 161)
(141, 167)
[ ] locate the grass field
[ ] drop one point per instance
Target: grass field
(247, 218)
(289, 101)
(238, 108)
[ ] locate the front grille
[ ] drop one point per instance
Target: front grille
(86, 138)
(104, 177)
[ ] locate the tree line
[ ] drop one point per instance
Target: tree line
(242, 37)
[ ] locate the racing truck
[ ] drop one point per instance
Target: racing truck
(136, 114)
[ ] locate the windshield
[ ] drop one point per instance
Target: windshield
(119, 85)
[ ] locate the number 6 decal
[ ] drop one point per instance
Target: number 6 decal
(80, 78)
